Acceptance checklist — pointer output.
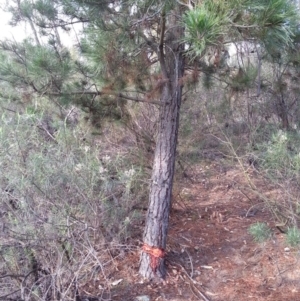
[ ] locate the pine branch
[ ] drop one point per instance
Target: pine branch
(99, 93)
(62, 24)
(244, 26)
(151, 43)
(161, 55)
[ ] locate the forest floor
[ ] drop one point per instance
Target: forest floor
(210, 253)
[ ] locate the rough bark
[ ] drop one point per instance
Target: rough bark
(283, 113)
(156, 228)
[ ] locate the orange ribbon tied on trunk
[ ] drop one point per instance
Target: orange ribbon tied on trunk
(155, 255)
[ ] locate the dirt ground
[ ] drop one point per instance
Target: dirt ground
(210, 254)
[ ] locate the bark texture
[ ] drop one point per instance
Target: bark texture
(156, 228)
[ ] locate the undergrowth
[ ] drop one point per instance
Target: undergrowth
(66, 204)
(260, 232)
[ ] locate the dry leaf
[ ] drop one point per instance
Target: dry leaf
(116, 282)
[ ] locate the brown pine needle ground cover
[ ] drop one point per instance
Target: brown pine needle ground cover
(210, 253)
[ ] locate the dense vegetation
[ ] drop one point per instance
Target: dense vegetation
(81, 126)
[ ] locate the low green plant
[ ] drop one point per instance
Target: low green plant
(65, 195)
(280, 158)
(293, 236)
(260, 232)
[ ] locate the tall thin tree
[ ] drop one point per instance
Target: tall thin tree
(123, 44)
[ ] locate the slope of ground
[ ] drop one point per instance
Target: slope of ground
(210, 254)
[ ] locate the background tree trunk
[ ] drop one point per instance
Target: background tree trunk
(283, 113)
(156, 228)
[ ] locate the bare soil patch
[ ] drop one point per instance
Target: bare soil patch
(210, 254)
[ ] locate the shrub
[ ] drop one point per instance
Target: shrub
(62, 200)
(293, 236)
(260, 232)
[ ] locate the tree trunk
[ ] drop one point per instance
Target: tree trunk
(283, 113)
(156, 228)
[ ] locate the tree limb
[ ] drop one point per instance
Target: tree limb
(161, 55)
(99, 93)
(64, 23)
(4, 297)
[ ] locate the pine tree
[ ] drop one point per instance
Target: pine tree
(123, 44)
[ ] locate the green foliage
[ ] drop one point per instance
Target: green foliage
(46, 8)
(293, 236)
(244, 78)
(205, 26)
(280, 156)
(27, 65)
(260, 232)
(116, 49)
(272, 22)
(43, 158)
(275, 20)
(63, 196)
(25, 9)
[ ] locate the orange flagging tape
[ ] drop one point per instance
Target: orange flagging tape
(155, 255)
